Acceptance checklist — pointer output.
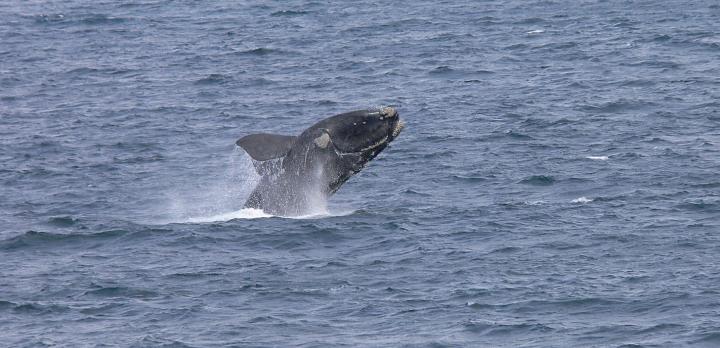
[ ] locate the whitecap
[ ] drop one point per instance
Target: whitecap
(598, 158)
(582, 200)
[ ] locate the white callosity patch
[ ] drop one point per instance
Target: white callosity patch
(322, 141)
(388, 111)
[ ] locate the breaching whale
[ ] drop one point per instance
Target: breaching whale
(297, 171)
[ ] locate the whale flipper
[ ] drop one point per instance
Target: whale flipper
(263, 146)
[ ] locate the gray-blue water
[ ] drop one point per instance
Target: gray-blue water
(556, 185)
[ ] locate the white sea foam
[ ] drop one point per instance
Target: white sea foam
(251, 213)
(246, 213)
(536, 31)
(598, 158)
(582, 200)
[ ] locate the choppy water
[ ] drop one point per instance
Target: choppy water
(556, 186)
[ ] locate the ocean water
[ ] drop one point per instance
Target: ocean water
(556, 184)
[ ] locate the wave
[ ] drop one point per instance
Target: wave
(289, 13)
(82, 19)
(35, 238)
(539, 180)
(33, 308)
(259, 51)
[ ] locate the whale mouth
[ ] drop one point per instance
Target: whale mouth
(374, 146)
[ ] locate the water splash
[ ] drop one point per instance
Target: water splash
(245, 213)
(222, 198)
(251, 213)
(218, 196)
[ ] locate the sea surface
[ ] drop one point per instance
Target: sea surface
(557, 183)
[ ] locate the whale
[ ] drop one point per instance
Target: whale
(298, 172)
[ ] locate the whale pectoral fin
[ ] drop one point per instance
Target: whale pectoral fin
(263, 147)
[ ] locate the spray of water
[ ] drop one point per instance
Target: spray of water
(215, 198)
(222, 197)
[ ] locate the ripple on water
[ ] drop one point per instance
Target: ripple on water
(490, 328)
(121, 292)
(63, 221)
(289, 13)
(259, 52)
(702, 205)
(39, 308)
(89, 19)
(213, 79)
(538, 180)
(619, 106)
(33, 240)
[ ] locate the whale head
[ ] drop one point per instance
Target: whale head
(364, 132)
(345, 143)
